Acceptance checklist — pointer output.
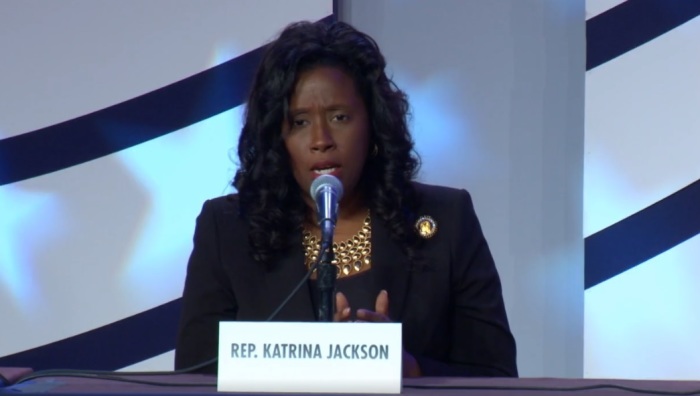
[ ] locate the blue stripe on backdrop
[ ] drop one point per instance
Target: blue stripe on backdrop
(643, 235)
(631, 24)
(129, 123)
(119, 344)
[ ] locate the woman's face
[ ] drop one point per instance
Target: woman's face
(329, 130)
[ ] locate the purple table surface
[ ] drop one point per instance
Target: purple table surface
(206, 385)
(12, 374)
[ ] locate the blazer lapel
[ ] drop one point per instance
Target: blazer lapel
(391, 269)
(280, 281)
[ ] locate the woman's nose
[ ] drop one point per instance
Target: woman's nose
(322, 140)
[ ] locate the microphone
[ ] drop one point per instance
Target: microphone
(326, 191)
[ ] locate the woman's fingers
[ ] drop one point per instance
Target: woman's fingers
(381, 305)
(342, 308)
(380, 313)
(381, 310)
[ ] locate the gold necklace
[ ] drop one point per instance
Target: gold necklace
(352, 256)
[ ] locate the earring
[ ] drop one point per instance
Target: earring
(375, 150)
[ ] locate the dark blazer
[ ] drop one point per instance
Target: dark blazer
(450, 303)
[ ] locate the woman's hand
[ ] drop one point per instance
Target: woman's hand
(342, 308)
(381, 315)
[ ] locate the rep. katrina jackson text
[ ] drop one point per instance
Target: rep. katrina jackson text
(310, 351)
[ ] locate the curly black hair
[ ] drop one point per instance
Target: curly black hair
(270, 199)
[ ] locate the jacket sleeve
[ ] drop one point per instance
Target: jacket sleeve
(206, 300)
(481, 343)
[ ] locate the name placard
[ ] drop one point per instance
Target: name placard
(309, 357)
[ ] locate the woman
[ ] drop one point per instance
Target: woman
(321, 103)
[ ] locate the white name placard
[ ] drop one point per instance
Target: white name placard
(309, 357)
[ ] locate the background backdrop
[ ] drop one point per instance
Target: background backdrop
(117, 120)
(642, 189)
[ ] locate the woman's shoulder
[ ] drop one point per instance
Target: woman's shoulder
(446, 205)
(223, 205)
(441, 196)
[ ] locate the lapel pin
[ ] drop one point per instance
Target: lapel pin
(426, 227)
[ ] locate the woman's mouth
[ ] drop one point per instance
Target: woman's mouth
(325, 171)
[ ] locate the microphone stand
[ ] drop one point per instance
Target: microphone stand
(326, 273)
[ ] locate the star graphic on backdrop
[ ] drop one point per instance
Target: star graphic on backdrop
(27, 221)
(179, 171)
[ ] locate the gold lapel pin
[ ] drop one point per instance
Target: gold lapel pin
(426, 226)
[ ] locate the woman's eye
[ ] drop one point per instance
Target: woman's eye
(340, 117)
(298, 123)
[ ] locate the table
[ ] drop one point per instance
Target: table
(206, 385)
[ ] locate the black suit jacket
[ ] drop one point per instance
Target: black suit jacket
(450, 304)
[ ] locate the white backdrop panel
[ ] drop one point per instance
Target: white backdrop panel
(63, 59)
(643, 323)
(642, 124)
(597, 7)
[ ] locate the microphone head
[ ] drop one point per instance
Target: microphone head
(323, 181)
